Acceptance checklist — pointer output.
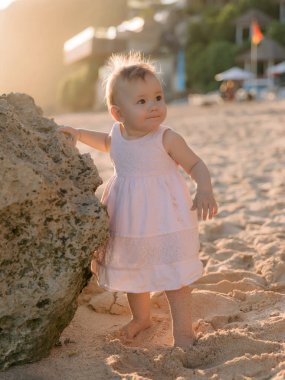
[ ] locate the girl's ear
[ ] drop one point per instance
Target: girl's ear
(116, 113)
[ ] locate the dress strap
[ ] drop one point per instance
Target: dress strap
(115, 134)
(114, 129)
(115, 141)
(163, 128)
(160, 132)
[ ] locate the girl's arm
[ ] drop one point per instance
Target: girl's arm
(98, 140)
(180, 152)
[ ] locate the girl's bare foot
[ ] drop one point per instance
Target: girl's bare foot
(131, 329)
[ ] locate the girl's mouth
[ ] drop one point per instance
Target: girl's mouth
(153, 117)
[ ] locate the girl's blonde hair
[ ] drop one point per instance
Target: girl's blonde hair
(127, 67)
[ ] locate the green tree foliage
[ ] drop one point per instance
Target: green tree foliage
(204, 63)
(215, 25)
(199, 33)
(276, 31)
(224, 26)
(270, 7)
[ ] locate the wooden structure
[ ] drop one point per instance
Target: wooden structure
(281, 10)
(244, 22)
(269, 52)
(89, 44)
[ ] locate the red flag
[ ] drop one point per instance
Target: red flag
(256, 34)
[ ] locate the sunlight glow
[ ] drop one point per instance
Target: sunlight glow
(109, 33)
(81, 45)
(80, 38)
(161, 16)
(168, 2)
(5, 4)
(143, 4)
(134, 25)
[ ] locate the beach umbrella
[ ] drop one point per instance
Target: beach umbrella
(277, 69)
(235, 73)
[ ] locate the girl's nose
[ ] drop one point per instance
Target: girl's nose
(153, 105)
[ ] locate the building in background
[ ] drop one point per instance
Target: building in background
(37, 59)
(47, 46)
(268, 51)
(281, 10)
(32, 35)
(243, 24)
(157, 28)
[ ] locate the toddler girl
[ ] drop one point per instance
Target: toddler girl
(153, 222)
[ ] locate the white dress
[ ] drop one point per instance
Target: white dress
(154, 239)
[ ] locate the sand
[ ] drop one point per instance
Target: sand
(239, 304)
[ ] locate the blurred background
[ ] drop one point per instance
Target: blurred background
(55, 51)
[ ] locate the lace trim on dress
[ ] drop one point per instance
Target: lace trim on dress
(125, 252)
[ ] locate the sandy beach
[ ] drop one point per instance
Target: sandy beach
(239, 303)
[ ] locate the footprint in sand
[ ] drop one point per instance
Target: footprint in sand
(219, 229)
(216, 310)
(210, 354)
(226, 282)
(216, 348)
(239, 260)
(270, 330)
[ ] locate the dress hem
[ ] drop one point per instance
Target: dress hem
(195, 278)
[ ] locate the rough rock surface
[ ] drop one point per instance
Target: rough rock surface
(50, 223)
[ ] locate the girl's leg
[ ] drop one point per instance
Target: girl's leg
(140, 308)
(180, 306)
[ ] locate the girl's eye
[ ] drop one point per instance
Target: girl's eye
(159, 97)
(141, 101)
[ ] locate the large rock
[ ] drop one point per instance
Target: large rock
(50, 223)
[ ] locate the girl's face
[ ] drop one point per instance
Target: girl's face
(140, 106)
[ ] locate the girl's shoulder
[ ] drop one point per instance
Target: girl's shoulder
(170, 138)
(168, 134)
(114, 129)
(111, 135)
(165, 130)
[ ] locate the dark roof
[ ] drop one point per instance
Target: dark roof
(267, 50)
(253, 14)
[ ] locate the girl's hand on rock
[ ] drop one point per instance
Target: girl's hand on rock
(205, 205)
(70, 132)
